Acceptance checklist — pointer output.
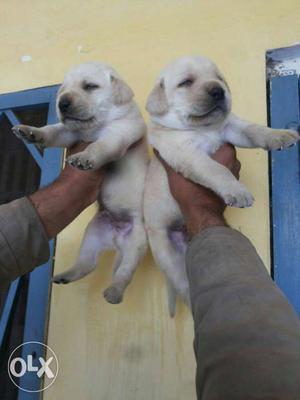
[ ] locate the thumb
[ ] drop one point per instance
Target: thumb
(166, 166)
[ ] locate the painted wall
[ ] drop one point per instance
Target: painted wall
(134, 351)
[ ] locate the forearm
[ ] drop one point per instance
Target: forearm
(247, 337)
(197, 220)
(26, 225)
(60, 203)
(23, 241)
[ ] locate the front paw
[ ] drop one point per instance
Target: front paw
(238, 196)
(30, 134)
(281, 139)
(81, 161)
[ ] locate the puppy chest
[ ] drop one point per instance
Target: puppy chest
(123, 185)
(209, 142)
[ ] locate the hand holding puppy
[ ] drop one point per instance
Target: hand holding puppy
(200, 206)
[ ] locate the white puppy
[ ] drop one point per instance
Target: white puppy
(95, 105)
(190, 108)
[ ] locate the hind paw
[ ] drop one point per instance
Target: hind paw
(61, 279)
(113, 295)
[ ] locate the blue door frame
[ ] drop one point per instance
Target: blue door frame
(284, 112)
(37, 308)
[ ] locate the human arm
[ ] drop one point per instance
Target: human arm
(27, 224)
(61, 202)
(247, 336)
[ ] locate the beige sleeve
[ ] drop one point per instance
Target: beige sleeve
(247, 336)
(23, 240)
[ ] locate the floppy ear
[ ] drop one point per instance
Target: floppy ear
(157, 103)
(121, 92)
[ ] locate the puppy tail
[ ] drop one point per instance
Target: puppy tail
(171, 299)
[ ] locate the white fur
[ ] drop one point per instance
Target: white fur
(108, 117)
(186, 129)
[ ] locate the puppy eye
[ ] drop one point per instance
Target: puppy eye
(186, 83)
(90, 86)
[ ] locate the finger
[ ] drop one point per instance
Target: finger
(76, 148)
(167, 167)
(224, 154)
(236, 169)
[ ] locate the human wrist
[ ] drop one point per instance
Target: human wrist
(82, 190)
(58, 204)
(84, 185)
(198, 219)
(55, 207)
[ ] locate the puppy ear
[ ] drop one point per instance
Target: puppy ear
(157, 103)
(121, 92)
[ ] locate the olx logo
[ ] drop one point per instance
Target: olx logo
(23, 366)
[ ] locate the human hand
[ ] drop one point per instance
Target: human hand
(90, 180)
(201, 207)
(61, 202)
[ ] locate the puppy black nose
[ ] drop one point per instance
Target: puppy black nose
(217, 93)
(64, 104)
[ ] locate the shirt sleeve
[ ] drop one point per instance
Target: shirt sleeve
(247, 335)
(23, 240)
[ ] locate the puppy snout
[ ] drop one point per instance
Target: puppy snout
(217, 93)
(64, 104)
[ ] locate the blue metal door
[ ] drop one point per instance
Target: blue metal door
(12, 107)
(285, 189)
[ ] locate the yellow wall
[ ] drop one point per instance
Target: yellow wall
(134, 351)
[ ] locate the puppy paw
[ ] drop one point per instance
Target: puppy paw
(281, 139)
(29, 134)
(238, 197)
(62, 279)
(81, 161)
(113, 295)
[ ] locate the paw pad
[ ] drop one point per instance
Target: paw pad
(113, 295)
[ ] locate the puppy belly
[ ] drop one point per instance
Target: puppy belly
(121, 223)
(160, 209)
(124, 183)
(178, 237)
